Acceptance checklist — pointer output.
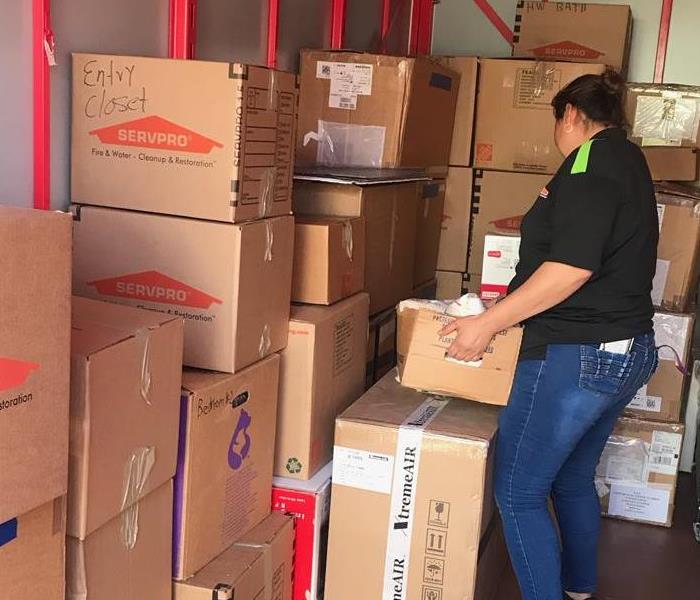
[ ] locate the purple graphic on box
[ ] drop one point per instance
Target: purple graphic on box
(239, 448)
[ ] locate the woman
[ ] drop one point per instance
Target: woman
(582, 290)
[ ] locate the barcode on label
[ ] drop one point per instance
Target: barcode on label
(346, 102)
(662, 460)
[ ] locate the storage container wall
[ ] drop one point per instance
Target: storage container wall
(133, 27)
(16, 170)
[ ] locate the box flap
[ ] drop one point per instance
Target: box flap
(198, 381)
(98, 325)
(359, 175)
(388, 404)
(314, 314)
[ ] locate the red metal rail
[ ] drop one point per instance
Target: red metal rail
(181, 39)
(273, 15)
(421, 27)
(337, 23)
(42, 44)
(662, 44)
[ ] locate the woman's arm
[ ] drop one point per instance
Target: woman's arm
(550, 285)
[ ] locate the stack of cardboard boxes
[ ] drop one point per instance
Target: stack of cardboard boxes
(35, 252)
(182, 205)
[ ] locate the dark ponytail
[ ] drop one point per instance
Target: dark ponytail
(599, 97)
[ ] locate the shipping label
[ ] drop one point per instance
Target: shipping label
(639, 502)
(643, 401)
(369, 471)
(347, 82)
(665, 452)
(659, 282)
(536, 87)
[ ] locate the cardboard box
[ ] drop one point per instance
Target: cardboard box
(32, 551)
(425, 290)
(125, 384)
(637, 473)
(329, 259)
(218, 148)
(463, 132)
(375, 110)
(423, 362)
(449, 285)
(128, 558)
(381, 346)
(672, 164)
(35, 262)
(259, 566)
(390, 212)
(501, 256)
(456, 220)
(664, 114)
(431, 206)
(499, 204)
(675, 282)
(493, 560)
(590, 33)
(514, 128)
(396, 454)
(231, 283)
(224, 473)
(322, 372)
(662, 398)
(309, 502)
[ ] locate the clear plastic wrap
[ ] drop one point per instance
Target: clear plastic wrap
(665, 115)
(344, 144)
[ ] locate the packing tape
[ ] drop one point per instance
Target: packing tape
(347, 239)
(142, 336)
(267, 190)
(272, 87)
(136, 472)
(426, 207)
(403, 497)
(266, 551)
(265, 342)
(76, 576)
(541, 74)
(269, 241)
(346, 144)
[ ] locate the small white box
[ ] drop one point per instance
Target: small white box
(501, 255)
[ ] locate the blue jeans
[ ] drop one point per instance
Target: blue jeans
(552, 433)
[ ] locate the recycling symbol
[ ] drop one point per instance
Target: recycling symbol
(293, 465)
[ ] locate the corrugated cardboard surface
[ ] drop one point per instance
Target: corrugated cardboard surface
(679, 244)
(431, 207)
(422, 364)
(35, 262)
(672, 164)
(574, 31)
(514, 121)
(662, 398)
(217, 148)
(224, 476)
(322, 373)
(500, 201)
(463, 133)
(231, 283)
(456, 220)
(389, 111)
(449, 285)
(390, 230)
(458, 440)
(329, 259)
(103, 566)
(640, 456)
(259, 566)
(34, 560)
(125, 386)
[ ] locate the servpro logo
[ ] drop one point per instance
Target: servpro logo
(566, 50)
(14, 373)
(156, 287)
(508, 223)
(157, 133)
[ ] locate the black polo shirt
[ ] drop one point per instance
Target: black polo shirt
(597, 213)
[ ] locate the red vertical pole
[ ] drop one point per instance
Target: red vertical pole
(662, 44)
(337, 23)
(386, 19)
(42, 45)
(181, 42)
(421, 27)
(273, 15)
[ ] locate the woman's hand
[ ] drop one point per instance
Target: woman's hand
(473, 337)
